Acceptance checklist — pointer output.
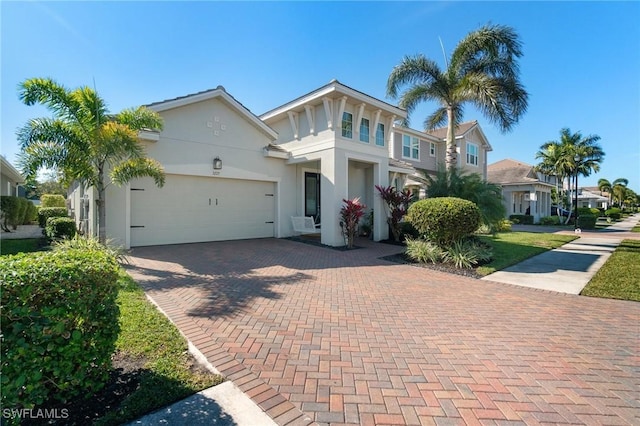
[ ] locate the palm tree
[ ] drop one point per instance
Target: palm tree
(619, 190)
(482, 70)
(84, 141)
(551, 156)
(571, 156)
(605, 186)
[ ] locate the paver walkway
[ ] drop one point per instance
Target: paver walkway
(314, 334)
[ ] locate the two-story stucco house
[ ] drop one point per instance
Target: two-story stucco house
(425, 151)
(233, 175)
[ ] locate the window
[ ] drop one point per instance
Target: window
(410, 147)
(380, 135)
(364, 130)
(347, 125)
(472, 154)
(432, 149)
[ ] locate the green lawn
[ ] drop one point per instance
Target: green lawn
(20, 246)
(619, 277)
(636, 228)
(510, 248)
(146, 334)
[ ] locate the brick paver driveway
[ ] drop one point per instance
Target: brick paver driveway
(314, 334)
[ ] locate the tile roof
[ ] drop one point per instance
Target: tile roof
(400, 164)
(462, 128)
(510, 171)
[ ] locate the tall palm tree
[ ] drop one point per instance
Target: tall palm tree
(482, 70)
(619, 190)
(551, 157)
(84, 141)
(605, 186)
(571, 156)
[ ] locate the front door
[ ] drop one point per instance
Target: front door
(312, 195)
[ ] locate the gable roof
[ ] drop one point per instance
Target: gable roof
(461, 131)
(9, 171)
(510, 172)
(221, 94)
(333, 89)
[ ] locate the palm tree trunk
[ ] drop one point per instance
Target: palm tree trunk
(450, 158)
(102, 211)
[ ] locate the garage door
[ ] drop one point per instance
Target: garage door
(191, 209)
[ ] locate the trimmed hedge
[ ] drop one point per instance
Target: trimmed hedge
(444, 220)
(613, 213)
(60, 227)
(45, 213)
(59, 325)
(523, 219)
(550, 220)
(52, 200)
(587, 221)
(589, 211)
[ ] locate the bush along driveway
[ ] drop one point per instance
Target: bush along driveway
(312, 334)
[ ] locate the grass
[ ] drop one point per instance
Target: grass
(510, 248)
(168, 368)
(20, 246)
(636, 228)
(619, 277)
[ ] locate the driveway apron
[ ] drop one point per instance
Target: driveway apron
(313, 334)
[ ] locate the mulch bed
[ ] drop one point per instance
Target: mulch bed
(123, 380)
(442, 267)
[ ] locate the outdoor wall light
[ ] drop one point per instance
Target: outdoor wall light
(217, 163)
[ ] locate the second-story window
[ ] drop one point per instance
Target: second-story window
(380, 135)
(347, 125)
(410, 147)
(364, 130)
(432, 149)
(472, 154)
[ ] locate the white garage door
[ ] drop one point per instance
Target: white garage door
(191, 209)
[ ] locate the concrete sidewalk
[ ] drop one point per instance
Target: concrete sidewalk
(568, 269)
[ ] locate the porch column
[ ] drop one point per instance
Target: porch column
(381, 178)
(333, 189)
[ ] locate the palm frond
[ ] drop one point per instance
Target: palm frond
(412, 70)
(140, 118)
(137, 168)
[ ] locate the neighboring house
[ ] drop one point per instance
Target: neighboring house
(591, 199)
(233, 175)
(10, 179)
(524, 190)
(472, 147)
(426, 151)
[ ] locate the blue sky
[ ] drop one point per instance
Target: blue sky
(581, 62)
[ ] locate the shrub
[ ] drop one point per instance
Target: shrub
(588, 210)
(614, 213)
(31, 214)
(60, 227)
(52, 200)
(59, 324)
(523, 219)
(423, 251)
(407, 230)
(444, 220)
(45, 213)
(10, 207)
(467, 253)
(587, 221)
(350, 215)
(397, 203)
(549, 220)
(81, 242)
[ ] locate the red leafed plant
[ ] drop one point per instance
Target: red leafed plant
(350, 215)
(397, 203)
